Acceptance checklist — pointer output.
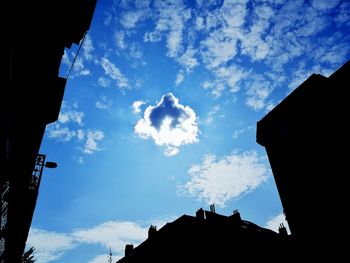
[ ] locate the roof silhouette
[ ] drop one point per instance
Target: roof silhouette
(206, 236)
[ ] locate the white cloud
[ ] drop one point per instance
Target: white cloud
(69, 127)
(136, 106)
(103, 82)
(88, 48)
(108, 19)
(114, 73)
(104, 103)
(56, 131)
(62, 129)
(131, 18)
(168, 123)
(218, 48)
(179, 78)
(303, 72)
(332, 54)
(104, 258)
(188, 59)
(258, 90)
(199, 23)
(299, 76)
(172, 18)
(79, 67)
(221, 179)
(234, 12)
(49, 245)
(120, 39)
(135, 51)
(225, 78)
(101, 259)
(212, 114)
(253, 43)
(66, 116)
(343, 15)
(231, 76)
(221, 44)
(65, 59)
(324, 4)
(239, 132)
(92, 139)
(112, 234)
(171, 151)
(274, 223)
(152, 36)
(85, 55)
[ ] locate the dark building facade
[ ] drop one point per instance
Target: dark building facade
(34, 35)
(305, 138)
(208, 237)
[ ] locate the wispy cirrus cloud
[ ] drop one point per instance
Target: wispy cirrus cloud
(221, 179)
(179, 78)
(104, 103)
(169, 123)
(113, 72)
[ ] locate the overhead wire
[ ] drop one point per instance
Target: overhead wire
(76, 55)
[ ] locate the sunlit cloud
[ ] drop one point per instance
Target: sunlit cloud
(136, 106)
(221, 179)
(169, 124)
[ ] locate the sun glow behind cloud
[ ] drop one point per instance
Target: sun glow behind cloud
(169, 124)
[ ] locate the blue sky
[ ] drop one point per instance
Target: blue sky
(159, 116)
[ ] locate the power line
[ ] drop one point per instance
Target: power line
(76, 55)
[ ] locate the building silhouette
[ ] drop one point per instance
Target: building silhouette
(206, 237)
(34, 35)
(303, 137)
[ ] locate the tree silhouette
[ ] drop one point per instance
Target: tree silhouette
(28, 256)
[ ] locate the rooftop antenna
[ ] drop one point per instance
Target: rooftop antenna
(110, 259)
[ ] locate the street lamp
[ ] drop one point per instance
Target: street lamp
(50, 165)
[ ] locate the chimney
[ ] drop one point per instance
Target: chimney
(151, 231)
(129, 248)
(282, 230)
(236, 216)
(212, 208)
(200, 214)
